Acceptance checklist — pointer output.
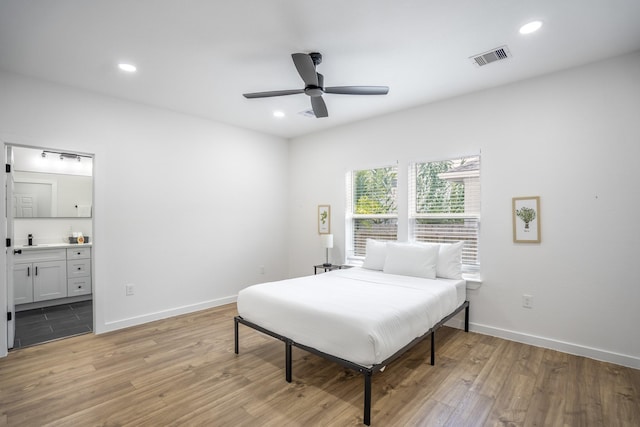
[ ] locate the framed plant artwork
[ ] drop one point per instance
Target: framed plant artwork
(324, 219)
(526, 219)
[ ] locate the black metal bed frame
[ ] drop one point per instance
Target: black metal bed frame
(366, 371)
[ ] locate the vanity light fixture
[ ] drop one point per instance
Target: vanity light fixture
(63, 155)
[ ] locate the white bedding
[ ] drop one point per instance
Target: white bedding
(359, 315)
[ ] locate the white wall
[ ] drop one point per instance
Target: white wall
(186, 209)
(572, 138)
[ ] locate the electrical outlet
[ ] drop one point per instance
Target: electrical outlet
(130, 289)
(527, 301)
(261, 269)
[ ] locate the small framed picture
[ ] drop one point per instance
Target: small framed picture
(526, 219)
(324, 219)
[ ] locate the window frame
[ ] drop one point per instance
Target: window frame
(472, 246)
(351, 217)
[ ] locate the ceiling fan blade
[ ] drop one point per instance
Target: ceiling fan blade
(319, 107)
(306, 68)
(272, 93)
(357, 90)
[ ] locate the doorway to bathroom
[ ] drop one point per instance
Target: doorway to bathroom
(50, 227)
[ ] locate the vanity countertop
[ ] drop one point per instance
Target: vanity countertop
(53, 246)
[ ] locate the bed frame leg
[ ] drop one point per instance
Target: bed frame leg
(288, 362)
(367, 398)
(235, 335)
(466, 318)
(433, 348)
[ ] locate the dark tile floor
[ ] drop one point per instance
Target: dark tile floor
(50, 323)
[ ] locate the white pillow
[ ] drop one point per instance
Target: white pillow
(376, 254)
(411, 260)
(449, 259)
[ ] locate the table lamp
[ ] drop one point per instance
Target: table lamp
(327, 243)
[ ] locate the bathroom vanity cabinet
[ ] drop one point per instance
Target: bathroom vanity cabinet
(51, 273)
(78, 271)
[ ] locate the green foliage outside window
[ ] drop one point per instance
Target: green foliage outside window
(375, 194)
(375, 191)
(436, 195)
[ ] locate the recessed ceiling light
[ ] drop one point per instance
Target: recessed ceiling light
(127, 67)
(278, 114)
(531, 27)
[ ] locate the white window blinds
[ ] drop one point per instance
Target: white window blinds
(444, 204)
(372, 208)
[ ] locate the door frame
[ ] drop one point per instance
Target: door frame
(6, 256)
(4, 276)
(8, 262)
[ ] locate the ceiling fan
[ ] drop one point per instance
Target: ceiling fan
(314, 84)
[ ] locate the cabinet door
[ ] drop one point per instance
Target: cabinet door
(49, 280)
(22, 283)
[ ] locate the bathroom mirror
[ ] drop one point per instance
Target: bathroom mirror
(50, 195)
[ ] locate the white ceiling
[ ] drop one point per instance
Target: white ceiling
(199, 56)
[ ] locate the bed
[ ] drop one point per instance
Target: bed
(360, 318)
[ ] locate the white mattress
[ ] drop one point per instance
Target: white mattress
(359, 315)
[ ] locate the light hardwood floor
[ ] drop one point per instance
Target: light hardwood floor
(182, 371)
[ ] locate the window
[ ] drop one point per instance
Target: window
(443, 200)
(444, 205)
(372, 208)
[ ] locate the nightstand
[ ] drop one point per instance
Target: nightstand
(326, 268)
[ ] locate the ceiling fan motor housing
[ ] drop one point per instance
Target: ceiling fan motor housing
(313, 90)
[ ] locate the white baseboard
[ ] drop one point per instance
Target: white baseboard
(565, 347)
(164, 314)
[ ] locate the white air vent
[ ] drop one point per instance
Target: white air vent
(497, 54)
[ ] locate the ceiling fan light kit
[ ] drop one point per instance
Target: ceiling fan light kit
(306, 64)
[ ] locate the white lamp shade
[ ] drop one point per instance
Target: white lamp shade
(327, 241)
